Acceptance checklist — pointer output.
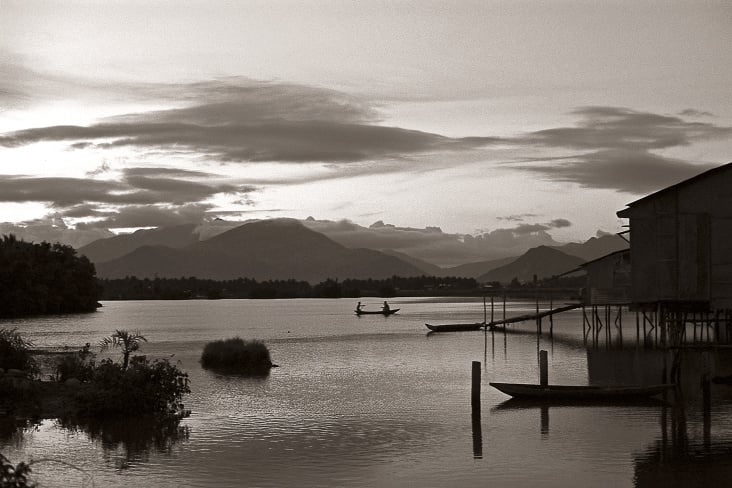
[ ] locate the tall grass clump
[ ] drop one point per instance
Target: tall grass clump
(237, 356)
(15, 351)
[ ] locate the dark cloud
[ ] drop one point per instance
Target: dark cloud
(614, 128)
(559, 223)
(516, 217)
(690, 112)
(133, 216)
(635, 172)
(243, 121)
(133, 188)
(616, 149)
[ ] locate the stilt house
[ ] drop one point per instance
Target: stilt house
(681, 244)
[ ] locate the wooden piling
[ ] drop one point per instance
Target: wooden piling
(543, 368)
(475, 389)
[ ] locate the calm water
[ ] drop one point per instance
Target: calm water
(375, 401)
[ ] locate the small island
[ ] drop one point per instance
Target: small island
(237, 356)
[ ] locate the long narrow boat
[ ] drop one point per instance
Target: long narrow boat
(377, 312)
(455, 327)
(580, 393)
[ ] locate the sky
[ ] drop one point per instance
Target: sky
(535, 121)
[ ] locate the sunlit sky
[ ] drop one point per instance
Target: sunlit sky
(467, 116)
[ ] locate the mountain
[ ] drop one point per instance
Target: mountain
(474, 270)
(110, 248)
(595, 247)
(542, 261)
(262, 250)
(428, 269)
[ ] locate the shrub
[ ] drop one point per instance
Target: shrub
(146, 387)
(237, 356)
(15, 351)
(14, 476)
(79, 365)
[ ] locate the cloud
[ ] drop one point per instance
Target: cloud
(435, 246)
(630, 171)
(239, 120)
(137, 186)
(133, 216)
(54, 229)
(616, 149)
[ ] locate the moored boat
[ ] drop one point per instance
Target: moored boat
(580, 393)
(455, 327)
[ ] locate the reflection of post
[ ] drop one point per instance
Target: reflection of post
(543, 368)
(475, 390)
(477, 434)
(544, 420)
(707, 397)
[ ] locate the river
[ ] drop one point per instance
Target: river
(376, 401)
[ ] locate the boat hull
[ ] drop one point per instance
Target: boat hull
(379, 312)
(580, 393)
(455, 327)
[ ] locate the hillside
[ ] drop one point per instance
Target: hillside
(594, 247)
(474, 270)
(103, 250)
(263, 250)
(541, 261)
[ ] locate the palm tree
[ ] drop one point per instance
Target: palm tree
(128, 341)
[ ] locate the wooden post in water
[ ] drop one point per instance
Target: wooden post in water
(551, 318)
(504, 306)
(492, 307)
(543, 368)
(475, 389)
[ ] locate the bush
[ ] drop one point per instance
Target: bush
(79, 365)
(14, 476)
(237, 356)
(15, 352)
(146, 387)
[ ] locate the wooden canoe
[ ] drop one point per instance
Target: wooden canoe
(455, 327)
(580, 393)
(377, 312)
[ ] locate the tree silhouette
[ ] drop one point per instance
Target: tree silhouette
(128, 341)
(44, 279)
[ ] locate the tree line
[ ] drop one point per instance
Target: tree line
(133, 288)
(44, 279)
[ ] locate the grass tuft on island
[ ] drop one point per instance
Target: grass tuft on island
(237, 356)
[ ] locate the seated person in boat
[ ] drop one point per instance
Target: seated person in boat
(359, 307)
(385, 308)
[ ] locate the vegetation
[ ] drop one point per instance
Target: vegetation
(135, 387)
(14, 476)
(44, 279)
(15, 351)
(129, 342)
(132, 288)
(79, 365)
(237, 356)
(153, 388)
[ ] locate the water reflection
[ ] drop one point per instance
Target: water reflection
(130, 441)
(12, 430)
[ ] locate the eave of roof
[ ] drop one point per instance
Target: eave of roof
(693, 179)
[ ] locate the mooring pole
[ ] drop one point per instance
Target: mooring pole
(492, 307)
(543, 368)
(475, 389)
